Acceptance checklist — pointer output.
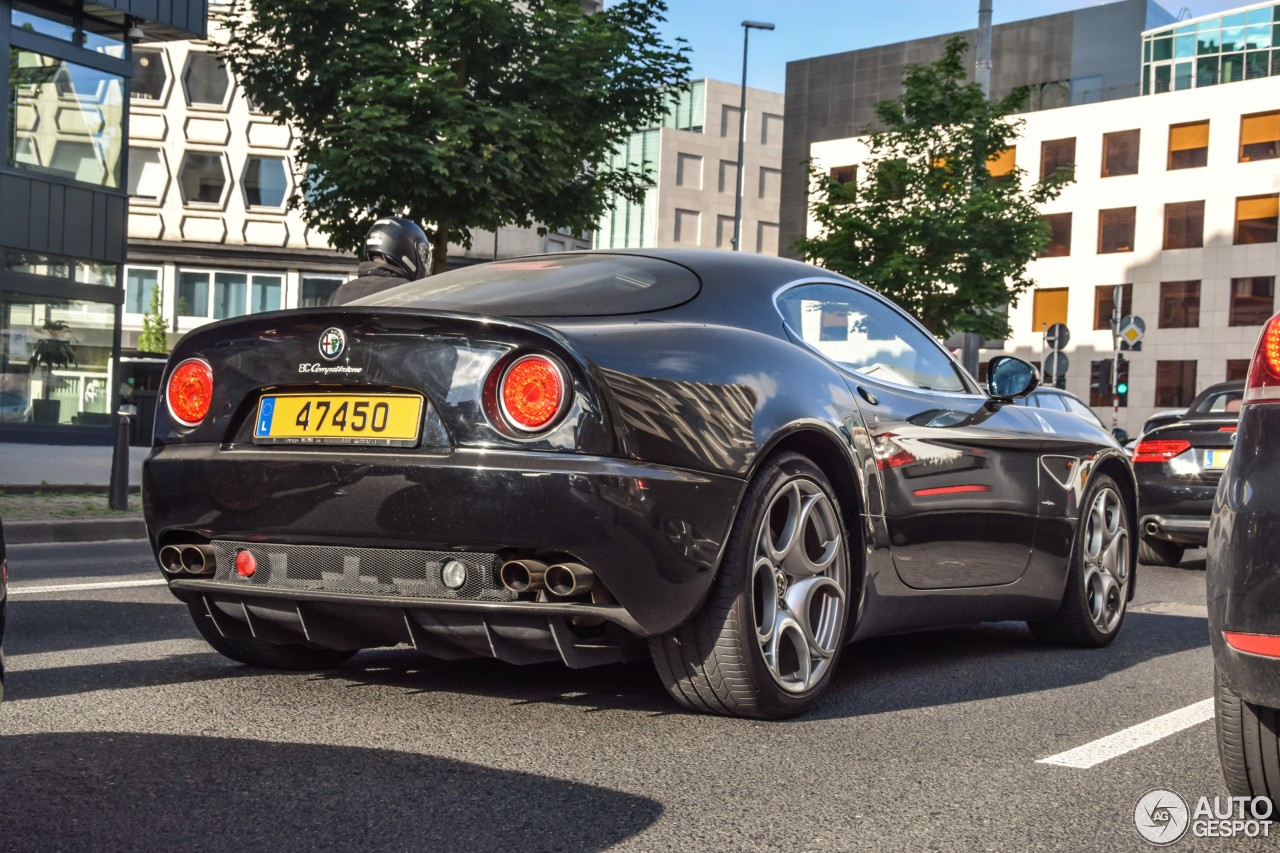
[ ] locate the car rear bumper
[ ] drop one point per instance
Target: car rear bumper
(1176, 509)
(350, 544)
(1185, 530)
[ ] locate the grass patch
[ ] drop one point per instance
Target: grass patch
(42, 506)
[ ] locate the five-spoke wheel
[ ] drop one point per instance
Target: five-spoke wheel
(770, 634)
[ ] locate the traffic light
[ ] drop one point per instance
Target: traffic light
(1122, 379)
(1100, 381)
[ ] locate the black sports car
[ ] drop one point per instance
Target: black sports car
(737, 462)
(1243, 586)
(1179, 465)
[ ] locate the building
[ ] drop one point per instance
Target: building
(1086, 56)
(693, 157)
(63, 204)
(1175, 200)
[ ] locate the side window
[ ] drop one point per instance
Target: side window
(1077, 408)
(867, 336)
(1051, 401)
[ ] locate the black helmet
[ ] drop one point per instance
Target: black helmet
(400, 243)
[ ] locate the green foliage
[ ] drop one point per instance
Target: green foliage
(926, 224)
(53, 352)
(460, 113)
(154, 326)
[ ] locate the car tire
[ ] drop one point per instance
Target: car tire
(261, 653)
(1248, 745)
(1100, 573)
(769, 636)
(1160, 552)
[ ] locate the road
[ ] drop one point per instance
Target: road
(121, 730)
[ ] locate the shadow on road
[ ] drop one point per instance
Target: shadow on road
(163, 792)
(38, 625)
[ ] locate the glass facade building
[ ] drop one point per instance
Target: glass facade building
(1243, 44)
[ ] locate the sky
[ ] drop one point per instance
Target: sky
(807, 28)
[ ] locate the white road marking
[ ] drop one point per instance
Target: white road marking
(80, 587)
(1134, 737)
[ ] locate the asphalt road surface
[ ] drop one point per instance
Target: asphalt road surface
(122, 730)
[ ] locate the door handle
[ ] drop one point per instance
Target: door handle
(868, 396)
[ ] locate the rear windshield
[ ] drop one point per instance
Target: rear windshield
(550, 286)
(1224, 402)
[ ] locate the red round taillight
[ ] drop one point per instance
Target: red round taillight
(532, 392)
(190, 391)
(246, 565)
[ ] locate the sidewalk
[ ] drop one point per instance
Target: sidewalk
(33, 471)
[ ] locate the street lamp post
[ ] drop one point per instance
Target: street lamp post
(747, 27)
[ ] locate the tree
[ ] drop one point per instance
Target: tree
(459, 113)
(928, 224)
(154, 326)
(55, 351)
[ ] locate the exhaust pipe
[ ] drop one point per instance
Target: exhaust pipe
(522, 575)
(171, 559)
(1152, 528)
(569, 579)
(197, 559)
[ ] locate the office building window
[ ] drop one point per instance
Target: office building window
(150, 75)
(265, 182)
(66, 119)
(1237, 368)
(1175, 384)
(202, 178)
(206, 80)
(1179, 305)
(148, 174)
(1256, 219)
(1104, 303)
(1058, 155)
(1059, 245)
(1189, 145)
(1001, 164)
(1115, 230)
(1120, 153)
(1184, 225)
(1260, 136)
(1252, 300)
(138, 284)
(844, 174)
(316, 289)
(1049, 306)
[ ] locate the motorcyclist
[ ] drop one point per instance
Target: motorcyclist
(397, 251)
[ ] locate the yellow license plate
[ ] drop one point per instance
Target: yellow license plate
(1216, 460)
(382, 419)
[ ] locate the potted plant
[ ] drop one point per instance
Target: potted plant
(56, 351)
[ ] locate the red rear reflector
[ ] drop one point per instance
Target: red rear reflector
(951, 490)
(246, 565)
(1227, 429)
(1254, 644)
(1159, 450)
(1264, 371)
(532, 392)
(190, 391)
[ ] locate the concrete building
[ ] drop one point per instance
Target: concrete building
(1175, 199)
(1081, 57)
(63, 201)
(693, 157)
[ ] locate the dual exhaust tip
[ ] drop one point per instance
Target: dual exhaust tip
(187, 559)
(562, 580)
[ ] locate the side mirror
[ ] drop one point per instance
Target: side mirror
(1009, 378)
(1122, 435)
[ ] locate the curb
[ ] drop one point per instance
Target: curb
(63, 489)
(76, 530)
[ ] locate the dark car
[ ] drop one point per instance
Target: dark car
(4, 600)
(732, 463)
(1059, 400)
(1243, 586)
(1178, 467)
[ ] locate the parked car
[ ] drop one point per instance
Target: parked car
(14, 408)
(1243, 586)
(4, 600)
(1057, 399)
(1179, 465)
(732, 463)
